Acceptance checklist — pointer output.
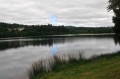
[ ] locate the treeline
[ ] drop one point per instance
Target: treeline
(17, 30)
(114, 5)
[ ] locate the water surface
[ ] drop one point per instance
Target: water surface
(16, 55)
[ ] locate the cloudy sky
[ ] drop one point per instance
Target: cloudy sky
(67, 12)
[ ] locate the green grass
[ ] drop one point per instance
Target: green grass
(103, 67)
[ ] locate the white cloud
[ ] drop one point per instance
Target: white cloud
(69, 12)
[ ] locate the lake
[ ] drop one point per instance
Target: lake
(17, 54)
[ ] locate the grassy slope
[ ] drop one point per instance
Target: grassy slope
(106, 67)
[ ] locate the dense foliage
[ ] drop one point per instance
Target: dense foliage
(17, 30)
(115, 6)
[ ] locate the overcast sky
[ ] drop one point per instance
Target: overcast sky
(67, 12)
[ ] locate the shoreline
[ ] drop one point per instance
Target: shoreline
(98, 63)
(67, 35)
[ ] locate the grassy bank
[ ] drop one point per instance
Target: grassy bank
(102, 67)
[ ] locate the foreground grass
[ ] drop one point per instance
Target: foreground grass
(104, 67)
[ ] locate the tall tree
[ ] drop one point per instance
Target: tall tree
(115, 6)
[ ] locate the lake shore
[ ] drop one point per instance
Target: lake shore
(63, 35)
(101, 67)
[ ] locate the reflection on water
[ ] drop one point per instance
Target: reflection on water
(54, 49)
(7, 44)
(16, 43)
(17, 54)
(117, 39)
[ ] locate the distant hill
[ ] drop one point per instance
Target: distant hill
(18, 30)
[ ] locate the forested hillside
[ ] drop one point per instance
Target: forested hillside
(17, 30)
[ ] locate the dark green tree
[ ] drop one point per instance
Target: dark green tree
(115, 6)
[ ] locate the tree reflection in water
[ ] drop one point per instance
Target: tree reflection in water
(117, 39)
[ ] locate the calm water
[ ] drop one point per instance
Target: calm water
(16, 55)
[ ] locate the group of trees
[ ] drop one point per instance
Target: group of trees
(17, 30)
(115, 6)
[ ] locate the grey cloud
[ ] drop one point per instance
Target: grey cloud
(68, 12)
